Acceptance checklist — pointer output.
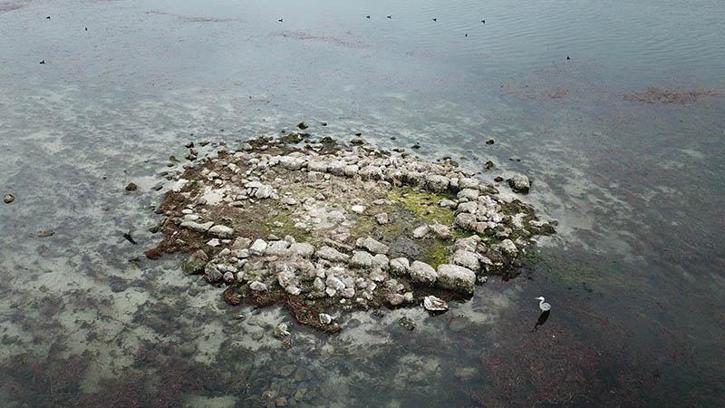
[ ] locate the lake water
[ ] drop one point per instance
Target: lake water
(635, 273)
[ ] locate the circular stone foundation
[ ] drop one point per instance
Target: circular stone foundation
(326, 229)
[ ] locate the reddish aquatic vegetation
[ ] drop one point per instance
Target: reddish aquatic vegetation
(325, 38)
(654, 95)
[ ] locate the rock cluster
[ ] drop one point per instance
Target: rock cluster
(343, 236)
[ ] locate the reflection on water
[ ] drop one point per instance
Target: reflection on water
(635, 271)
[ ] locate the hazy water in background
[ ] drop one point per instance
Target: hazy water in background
(635, 274)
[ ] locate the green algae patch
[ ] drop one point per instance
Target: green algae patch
(435, 253)
(423, 205)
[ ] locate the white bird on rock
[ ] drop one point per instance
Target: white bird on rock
(545, 307)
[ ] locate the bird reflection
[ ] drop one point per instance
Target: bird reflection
(542, 319)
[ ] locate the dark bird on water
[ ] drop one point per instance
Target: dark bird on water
(129, 238)
(86, 28)
(483, 21)
(368, 17)
(280, 20)
(568, 58)
(390, 16)
(47, 18)
(42, 62)
(466, 34)
(435, 19)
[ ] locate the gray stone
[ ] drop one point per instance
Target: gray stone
(470, 194)
(434, 304)
(212, 273)
(277, 248)
(382, 218)
(395, 299)
(8, 198)
(469, 207)
(258, 247)
(228, 277)
(358, 209)
(325, 318)
(333, 282)
(264, 191)
(422, 272)
(508, 247)
(519, 183)
(466, 221)
(421, 231)
(437, 183)
(381, 261)
(331, 254)
(400, 266)
(221, 231)
(198, 227)
(241, 243)
(446, 203)
(195, 263)
(302, 249)
(372, 245)
(442, 231)
(466, 259)
(468, 182)
(456, 278)
(214, 242)
(257, 286)
(361, 259)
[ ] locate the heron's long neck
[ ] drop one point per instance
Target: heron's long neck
(541, 303)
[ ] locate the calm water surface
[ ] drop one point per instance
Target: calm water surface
(635, 274)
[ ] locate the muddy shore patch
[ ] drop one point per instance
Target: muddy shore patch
(326, 229)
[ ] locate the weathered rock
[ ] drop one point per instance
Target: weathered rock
(422, 272)
(382, 218)
(257, 286)
(441, 231)
(358, 209)
(470, 194)
(437, 183)
(195, 262)
(241, 243)
(381, 261)
(400, 266)
(302, 249)
(394, 299)
(333, 282)
(421, 231)
(212, 273)
(466, 259)
(195, 226)
(325, 318)
(456, 278)
(228, 277)
(331, 254)
(214, 242)
(519, 183)
(258, 247)
(434, 304)
(372, 245)
(508, 247)
(468, 207)
(446, 203)
(361, 259)
(282, 330)
(221, 231)
(264, 192)
(277, 248)
(131, 186)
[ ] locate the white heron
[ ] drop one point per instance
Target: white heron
(545, 307)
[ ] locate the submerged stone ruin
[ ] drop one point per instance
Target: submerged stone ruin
(326, 229)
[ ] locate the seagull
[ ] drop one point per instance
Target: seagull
(545, 307)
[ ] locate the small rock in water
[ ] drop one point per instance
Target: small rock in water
(302, 125)
(434, 304)
(489, 165)
(519, 183)
(281, 330)
(325, 318)
(131, 186)
(490, 142)
(8, 198)
(406, 323)
(45, 233)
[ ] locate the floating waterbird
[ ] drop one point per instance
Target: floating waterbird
(390, 16)
(435, 19)
(466, 34)
(42, 62)
(280, 20)
(368, 17)
(129, 238)
(545, 307)
(86, 28)
(568, 58)
(483, 21)
(47, 18)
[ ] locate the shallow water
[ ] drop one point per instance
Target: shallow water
(635, 273)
